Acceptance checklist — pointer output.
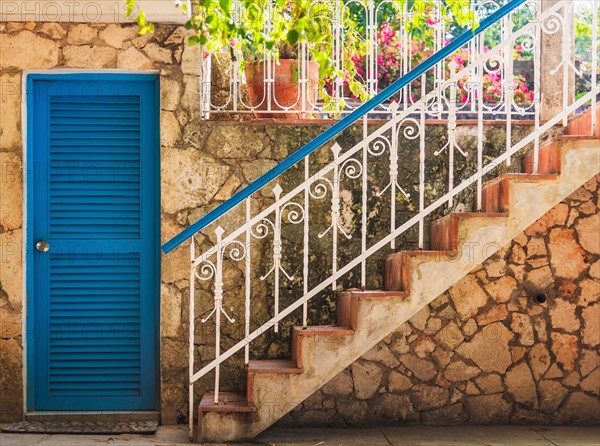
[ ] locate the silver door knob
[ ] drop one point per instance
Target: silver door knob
(42, 246)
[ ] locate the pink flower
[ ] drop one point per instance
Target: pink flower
(233, 42)
(431, 21)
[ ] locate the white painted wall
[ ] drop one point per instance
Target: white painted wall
(89, 11)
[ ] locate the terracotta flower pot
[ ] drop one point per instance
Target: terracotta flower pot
(286, 93)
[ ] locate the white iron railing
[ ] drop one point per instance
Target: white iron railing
(384, 25)
(290, 223)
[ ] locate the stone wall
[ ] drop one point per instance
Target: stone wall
(485, 351)
(27, 46)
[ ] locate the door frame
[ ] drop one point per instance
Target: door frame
(28, 323)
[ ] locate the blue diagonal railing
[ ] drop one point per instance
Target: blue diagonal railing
(341, 125)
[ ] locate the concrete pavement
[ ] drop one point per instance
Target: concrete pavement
(384, 436)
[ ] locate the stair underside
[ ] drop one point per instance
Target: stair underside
(370, 316)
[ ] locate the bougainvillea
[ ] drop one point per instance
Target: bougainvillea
(493, 83)
(390, 66)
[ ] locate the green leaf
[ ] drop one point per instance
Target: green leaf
(145, 26)
(211, 19)
(293, 36)
(130, 7)
(193, 40)
(141, 19)
(226, 6)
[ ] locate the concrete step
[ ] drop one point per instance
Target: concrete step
(397, 266)
(272, 366)
(228, 402)
(444, 231)
(268, 366)
(330, 332)
(548, 158)
(348, 304)
(582, 124)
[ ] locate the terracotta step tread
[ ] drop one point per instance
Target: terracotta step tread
(578, 137)
(424, 252)
(522, 177)
(273, 366)
(228, 402)
(474, 214)
(322, 330)
(376, 293)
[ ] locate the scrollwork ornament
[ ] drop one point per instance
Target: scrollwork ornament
(552, 24)
(493, 65)
(237, 250)
(527, 41)
(520, 108)
(583, 8)
(410, 128)
(295, 214)
(379, 146)
(466, 93)
(487, 7)
(205, 270)
(318, 190)
(437, 104)
(262, 229)
(351, 168)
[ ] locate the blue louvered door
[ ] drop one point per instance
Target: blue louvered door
(92, 195)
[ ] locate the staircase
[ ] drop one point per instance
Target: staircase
(511, 204)
(458, 242)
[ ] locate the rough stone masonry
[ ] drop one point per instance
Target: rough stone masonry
(485, 352)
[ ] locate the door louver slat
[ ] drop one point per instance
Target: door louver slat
(78, 332)
(81, 176)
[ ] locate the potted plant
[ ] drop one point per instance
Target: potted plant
(264, 37)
